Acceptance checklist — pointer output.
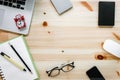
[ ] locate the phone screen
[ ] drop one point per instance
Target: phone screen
(94, 74)
(106, 13)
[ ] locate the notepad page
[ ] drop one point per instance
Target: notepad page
(10, 71)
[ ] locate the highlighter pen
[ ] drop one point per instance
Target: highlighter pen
(12, 61)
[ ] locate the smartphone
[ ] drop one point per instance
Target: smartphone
(95, 74)
(106, 14)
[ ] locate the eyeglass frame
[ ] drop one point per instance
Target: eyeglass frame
(60, 68)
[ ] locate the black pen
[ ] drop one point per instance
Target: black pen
(19, 57)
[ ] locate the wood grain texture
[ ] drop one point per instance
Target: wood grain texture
(3, 36)
(73, 36)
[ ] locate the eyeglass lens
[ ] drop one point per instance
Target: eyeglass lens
(67, 68)
(55, 72)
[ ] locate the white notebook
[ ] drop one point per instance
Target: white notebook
(10, 71)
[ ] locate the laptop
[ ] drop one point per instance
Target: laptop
(9, 9)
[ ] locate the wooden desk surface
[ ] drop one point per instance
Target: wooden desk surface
(73, 36)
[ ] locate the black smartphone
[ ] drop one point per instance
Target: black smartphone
(106, 14)
(95, 74)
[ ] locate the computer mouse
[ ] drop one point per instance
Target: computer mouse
(112, 47)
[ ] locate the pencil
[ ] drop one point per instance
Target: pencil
(85, 3)
(20, 57)
(12, 61)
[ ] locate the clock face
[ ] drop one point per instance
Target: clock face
(20, 23)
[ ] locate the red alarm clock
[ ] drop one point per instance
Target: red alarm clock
(20, 21)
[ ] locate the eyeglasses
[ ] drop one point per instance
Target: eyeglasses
(64, 67)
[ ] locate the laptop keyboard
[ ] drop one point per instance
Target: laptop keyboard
(20, 4)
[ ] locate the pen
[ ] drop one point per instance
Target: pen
(12, 61)
(20, 57)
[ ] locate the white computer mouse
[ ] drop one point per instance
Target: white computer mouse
(112, 47)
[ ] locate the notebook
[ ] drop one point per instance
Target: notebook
(62, 5)
(11, 72)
